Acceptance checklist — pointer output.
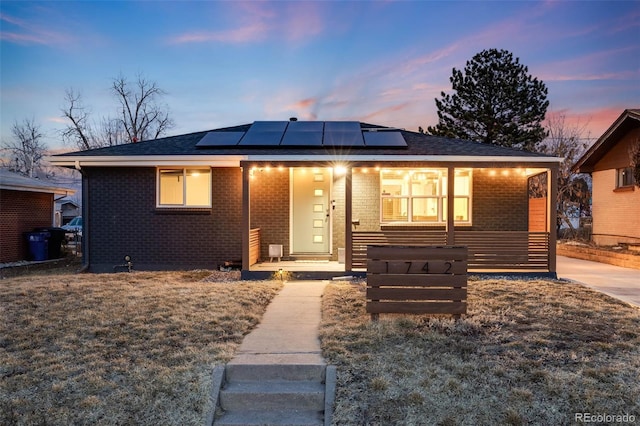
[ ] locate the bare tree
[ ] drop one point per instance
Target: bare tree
(569, 142)
(139, 117)
(26, 149)
(79, 131)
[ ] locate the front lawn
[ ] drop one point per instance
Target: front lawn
(528, 352)
(122, 348)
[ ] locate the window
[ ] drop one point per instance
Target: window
(420, 196)
(624, 177)
(184, 187)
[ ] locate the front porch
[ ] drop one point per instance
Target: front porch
(507, 227)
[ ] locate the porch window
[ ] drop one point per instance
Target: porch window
(420, 196)
(624, 177)
(184, 187)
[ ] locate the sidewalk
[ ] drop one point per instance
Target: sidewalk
(615, 281)
(288, 332)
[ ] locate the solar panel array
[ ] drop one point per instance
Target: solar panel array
(305, 134)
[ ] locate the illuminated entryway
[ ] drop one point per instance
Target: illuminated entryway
(311, 211)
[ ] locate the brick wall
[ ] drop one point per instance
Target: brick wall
(366, 200)
(123, 220)
(615, 212)
(500, 202)
(21, 212)
(269, 191)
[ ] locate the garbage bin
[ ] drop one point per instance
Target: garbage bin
(56, 235)
(38, 242)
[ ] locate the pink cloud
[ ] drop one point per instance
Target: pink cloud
(594, 121)
(26, 32)
(385, 112)
(303, 104)
(258, 21)
(250, 33)
(304, 20)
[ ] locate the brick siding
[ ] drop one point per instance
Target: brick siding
(21, 212)
(123, 220)
(615, 212)
(269, 190)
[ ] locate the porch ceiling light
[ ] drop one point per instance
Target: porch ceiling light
(340, 170)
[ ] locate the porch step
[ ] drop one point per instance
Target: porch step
(271, 394)
(275, 418)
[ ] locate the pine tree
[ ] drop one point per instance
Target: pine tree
(496, 101)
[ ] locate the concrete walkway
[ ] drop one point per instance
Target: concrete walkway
(288, 332)
(615, 281)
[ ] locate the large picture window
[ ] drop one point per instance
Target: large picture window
(420, 196)
(184, 187)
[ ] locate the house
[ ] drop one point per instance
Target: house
(66, 209)
(312, 193)
(616, 197)
(25, 204)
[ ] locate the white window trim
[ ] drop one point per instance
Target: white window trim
(184, 192)
(441, 199)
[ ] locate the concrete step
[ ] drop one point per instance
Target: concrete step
(273, 417)
(272, 395)
(278, 372)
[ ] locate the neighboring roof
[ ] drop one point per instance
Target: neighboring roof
(420, 147)
(16, 182)
(628, 120)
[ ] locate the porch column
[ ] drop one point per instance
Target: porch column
(552, 182)
(451, 173)
(348, 215)
(246, 216)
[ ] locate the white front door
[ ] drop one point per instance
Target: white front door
(311, 210)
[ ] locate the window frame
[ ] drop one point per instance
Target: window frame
(440, 197)
(184, 204)
(620, 172)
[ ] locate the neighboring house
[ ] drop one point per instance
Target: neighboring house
(25, 204)
(66, 210)
(616, 198)
(320, 191)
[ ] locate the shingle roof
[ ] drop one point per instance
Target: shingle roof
(628, 120)
(418, 144)
(16, 182)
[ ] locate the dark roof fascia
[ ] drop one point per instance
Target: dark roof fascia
(628, 120)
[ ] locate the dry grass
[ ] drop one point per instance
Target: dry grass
(123, 348)
(528, 352)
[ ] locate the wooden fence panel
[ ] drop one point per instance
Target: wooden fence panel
(254, 246)
(417, 280)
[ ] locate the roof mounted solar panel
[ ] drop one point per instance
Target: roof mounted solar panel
(303, 133)
(264, 133)
(384, 138)
(342, 133)
(220, 139)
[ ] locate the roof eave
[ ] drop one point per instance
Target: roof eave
(234, 160)
(586, 163)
